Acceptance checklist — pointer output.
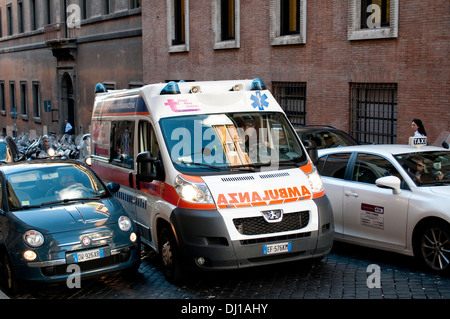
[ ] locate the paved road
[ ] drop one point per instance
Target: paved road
(348, 272)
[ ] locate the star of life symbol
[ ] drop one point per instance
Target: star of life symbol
(259, 101)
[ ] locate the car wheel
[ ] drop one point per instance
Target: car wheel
(170, 257)
(433, 247)
(8, 277)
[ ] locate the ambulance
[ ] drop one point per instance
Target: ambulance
(213, 174)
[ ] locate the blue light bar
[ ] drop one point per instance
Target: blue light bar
(100, 88)
(171, 88)
(258, 85)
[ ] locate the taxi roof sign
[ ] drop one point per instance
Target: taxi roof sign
(417, 141)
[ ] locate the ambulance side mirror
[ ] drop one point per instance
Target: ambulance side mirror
(311, 148)
(148, 168)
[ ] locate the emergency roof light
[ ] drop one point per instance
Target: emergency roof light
(258, 85)
(171, 88)
(100, 88)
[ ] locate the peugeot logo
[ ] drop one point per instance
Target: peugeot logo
(273, 216)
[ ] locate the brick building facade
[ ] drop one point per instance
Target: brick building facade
(368, 72)
(56, 51)
(327, 64)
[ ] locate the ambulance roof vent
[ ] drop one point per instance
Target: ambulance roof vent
(258, 85)
(100, 88)
(171, 88)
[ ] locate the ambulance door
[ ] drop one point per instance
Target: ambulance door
(147, 193)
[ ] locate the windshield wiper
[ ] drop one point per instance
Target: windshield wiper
(200, 164)
(67, 200)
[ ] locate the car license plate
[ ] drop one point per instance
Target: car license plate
(277, 248)
(88, 255)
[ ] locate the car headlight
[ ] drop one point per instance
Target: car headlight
(124, 223)
(197, 193)
(315, 181)
(33, 238)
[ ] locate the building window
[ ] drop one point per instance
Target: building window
(20, 16)
(135, 4)
(12, 99)
(374, 113)
(23, 100)
(178, 25)
(226, 24)
(48, 8)
(289, 17)
(292, 98)
(36, 101)
(287, 22)
(33, 20)
(2, 99)
(1, 24)
(372, 19)
(9, 20)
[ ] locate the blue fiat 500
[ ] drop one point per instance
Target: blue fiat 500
(57, 213)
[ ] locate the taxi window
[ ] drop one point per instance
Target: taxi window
(333, 165)
(369, 167)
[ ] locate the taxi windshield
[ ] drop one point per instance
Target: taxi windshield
(231, 141)
(427, 168)
(45, 184)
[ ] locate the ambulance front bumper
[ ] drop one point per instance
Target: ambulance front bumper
(205, 242)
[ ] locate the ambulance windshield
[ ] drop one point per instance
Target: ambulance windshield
(234, 141)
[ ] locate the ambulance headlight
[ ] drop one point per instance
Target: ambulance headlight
(197, 193)
(315, 181)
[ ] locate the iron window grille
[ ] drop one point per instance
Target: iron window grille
(292, 98)
(374, 112)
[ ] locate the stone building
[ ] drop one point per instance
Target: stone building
(365, 66)
(53, 52)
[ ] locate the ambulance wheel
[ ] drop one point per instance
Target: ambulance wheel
(170, 256)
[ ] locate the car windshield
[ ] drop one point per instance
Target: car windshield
(427, 168)
(326, 138)
(47, 184)
(232, 141)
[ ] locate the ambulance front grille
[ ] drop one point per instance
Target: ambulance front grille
(258, 225)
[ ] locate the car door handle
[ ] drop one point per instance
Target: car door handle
(350, 193)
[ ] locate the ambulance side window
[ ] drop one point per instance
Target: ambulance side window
(147, 139)
(122, 144)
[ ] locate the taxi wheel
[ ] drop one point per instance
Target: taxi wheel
(8, 278)
(433, 247)
(168, 250)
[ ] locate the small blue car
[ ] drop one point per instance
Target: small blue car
(56, 213)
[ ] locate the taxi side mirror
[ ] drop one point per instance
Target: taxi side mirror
(391, 182)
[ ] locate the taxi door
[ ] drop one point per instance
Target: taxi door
(371, 214)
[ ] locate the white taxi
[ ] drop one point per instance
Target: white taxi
(391, 197)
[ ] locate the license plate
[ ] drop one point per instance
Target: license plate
(88, 255)
(277, 248)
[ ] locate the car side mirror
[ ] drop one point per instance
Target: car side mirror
(391, 182)
(113, 187)
(149, 168)
(311, 148)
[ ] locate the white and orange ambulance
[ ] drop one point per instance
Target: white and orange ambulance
(213, 173)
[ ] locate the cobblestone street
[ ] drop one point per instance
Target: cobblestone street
(343, 274)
